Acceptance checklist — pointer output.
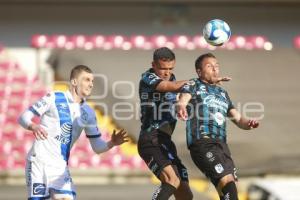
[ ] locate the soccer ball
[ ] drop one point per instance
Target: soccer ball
(216, 32)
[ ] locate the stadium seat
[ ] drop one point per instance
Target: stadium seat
(5, 148)
(6, 163)
(7, 66)
(108, 42)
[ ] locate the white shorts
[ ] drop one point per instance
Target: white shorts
(44, 180)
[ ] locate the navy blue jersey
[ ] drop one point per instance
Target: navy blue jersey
(207, 111)
(157, 108)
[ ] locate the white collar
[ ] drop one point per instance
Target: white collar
(70, 97)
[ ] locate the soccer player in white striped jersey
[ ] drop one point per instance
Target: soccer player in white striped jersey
(64, 115)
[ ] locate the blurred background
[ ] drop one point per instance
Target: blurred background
(40, 41)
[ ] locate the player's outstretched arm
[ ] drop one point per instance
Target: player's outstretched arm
(242, 122)
(183, 101)
(100, 146)
(118, 138)
(170, 86)
(224, 79)
(220, 80)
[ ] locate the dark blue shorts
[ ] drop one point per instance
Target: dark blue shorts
(213, 158)
(158, 151)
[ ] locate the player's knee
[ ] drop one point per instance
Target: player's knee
(225, 180)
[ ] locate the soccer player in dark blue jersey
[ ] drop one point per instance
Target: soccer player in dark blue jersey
(158, 90)
(205, 106)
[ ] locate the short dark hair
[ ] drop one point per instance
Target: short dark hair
(78, 69)
(199, 60)
(163, 53)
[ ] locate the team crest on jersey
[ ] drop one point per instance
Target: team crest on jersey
(219, 118)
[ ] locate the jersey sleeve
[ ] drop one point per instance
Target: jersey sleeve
(189, 87)
(230, 103)
(42, 105)
(89, 122)
(151, 79)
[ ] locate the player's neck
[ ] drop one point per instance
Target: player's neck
(206, 82)
(76, 97)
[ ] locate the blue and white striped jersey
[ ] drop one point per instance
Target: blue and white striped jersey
(207, 110)
(63, 120)
(157, 108)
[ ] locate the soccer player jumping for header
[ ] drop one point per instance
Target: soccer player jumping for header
(205, 106)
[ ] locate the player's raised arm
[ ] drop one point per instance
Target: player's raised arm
(242, 122)
(118, 138)
(220, 80)
(170, 86)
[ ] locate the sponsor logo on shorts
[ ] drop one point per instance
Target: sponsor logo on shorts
(219, 168)
(39, 189)
(210, 156)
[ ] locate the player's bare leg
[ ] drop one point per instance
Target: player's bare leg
(170, 182)
(55, 196)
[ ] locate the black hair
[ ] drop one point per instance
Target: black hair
(164, 54)
(78, 69)
(199, 60)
